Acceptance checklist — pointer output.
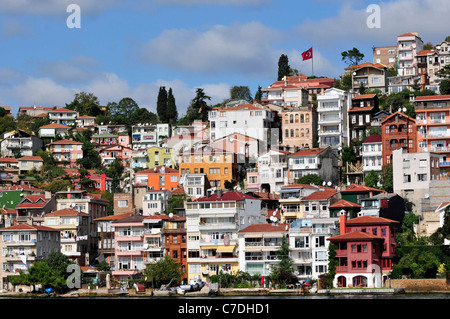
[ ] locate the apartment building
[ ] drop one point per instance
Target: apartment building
(316, 204)
(386, 55)
(49, 132)
(28, 163)
(371, 76)
(154, 243)
(22, 245)
(34, 207)
(298, 127)
(66, 152)
(408, 46)
(333, 106)
(158, 178)
(74, 233)
(9, 171)
(155, 202)
(109, 153)
(253, 120)
(213, 224)
(291, 201)
(372, 154)
(363, 109)
(86, 121)
(195, 185)
(20, 143)
(319, 161)
(175, 241)
(436, 60)
(398, 131)
(258, 247)
(63, 116)
(433, 128)
(146, 135)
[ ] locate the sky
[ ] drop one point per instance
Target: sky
(129, 48)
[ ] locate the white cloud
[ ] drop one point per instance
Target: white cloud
(77, 69)
(238, 48)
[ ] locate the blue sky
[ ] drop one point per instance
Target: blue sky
(130, 48)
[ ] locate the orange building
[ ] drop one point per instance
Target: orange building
(174, 233)
(158, 178)
(398, 131)
(218, 165)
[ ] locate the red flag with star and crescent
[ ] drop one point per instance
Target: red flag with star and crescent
(307, 54)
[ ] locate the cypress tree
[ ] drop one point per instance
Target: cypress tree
(172, 113)
(161, 105)
(283, 67)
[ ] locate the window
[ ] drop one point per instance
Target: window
(421, 177)
(123, 203)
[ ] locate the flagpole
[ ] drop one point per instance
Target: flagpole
(312, 61)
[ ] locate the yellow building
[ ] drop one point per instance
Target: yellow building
(291, 200)
(160, 156)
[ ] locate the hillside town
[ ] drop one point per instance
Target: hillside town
(356, 168)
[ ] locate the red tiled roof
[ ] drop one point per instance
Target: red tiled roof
(31, 158)
(373, 139)
(351, 236)
(369, 220)
(360, 188)
(299, 186)
(8, 159)
(62, 110)
(308, 152)
(65, 141)
(156, 170)
(364, 96)
(321, 195)
(66, 211)
(33, 201)
(432, 98)
(28, 227)
(226, 196)
(366, 64)
(266, 228)
(55, 125)
(361, 109)
(344, 203)
(425, 52)
(115, 217)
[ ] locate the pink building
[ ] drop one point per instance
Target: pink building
(366, 247)
(129, 247)
(110, 153)
(66, 151)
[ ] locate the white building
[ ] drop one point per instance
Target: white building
(372, 156)
(333, 130)
(146, 135)
(155, 202)
(212, 226)
(194, 185)
(273, 170)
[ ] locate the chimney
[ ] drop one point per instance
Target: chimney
(342, 221)
(48, 195)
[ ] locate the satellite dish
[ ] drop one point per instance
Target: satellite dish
(170, 215)
(329, 183)
(427, 195)
(404, 109)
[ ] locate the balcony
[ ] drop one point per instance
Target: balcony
(218, 226)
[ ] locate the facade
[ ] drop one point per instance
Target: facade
(319, 161)
(175, 241)
(436, 60)
(291, 201)
(110, 153)
(316, 204)
(28, 163)
(213, 224)
(408, 46)
(433, 128)
(398, 131)
(9, 171)
(20, 143)
(390, 206)
(34, 207)
(66, 152)
(154, 243)
(50, 131)
(195, 185)
(22, 245)
(272, 171)
(146, 135)
(245, 147)
(371, 76)
(63, 116)
(160, 156)
(299, 127)
(372, 155)
(364, 107)
(385, 55)
(86, 121)
(158, 178)
(74, 233)
(333, 106)
(155, 202)
(258, 246)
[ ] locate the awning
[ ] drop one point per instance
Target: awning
(225, 249)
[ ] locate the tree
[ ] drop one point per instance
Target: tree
(85, 104)
(332, 264)
(258, 94)
(161, 105)
(310, 179)
(241, 93)
(419, 264)
(444, 72)
(171, 113)
(352, 57)
(115, 171)
(175, 202)
(198, 108)
(283, 67)
(283, 272)
(388, 179)
(444, 87)
(372, 179)
(143, 115)
(165, 271)
(91, 158)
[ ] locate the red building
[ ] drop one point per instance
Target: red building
(398, 130)
(365, 249)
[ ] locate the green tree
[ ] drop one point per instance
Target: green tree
(259, 94)
(283, 67)
(91, 158)
(240, 93)
(372, 179)
(58, 185)
(332, 264)
(352, 57)
(444, 87)
(348, 155)
(143, 115)
(419, 264)
(283, 271)
(85, 104)
(115, 171)
(198, 108)
(166, 271)
(310, 179)
(175, 202)
(161, 105)
(388, 179)
(171, 113)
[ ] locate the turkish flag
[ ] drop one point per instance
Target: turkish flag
(307, 54)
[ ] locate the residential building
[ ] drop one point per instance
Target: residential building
(63, 116)
(28, 163)
(129, 247)
(123, 203)
(366, 247)
(409, 44)
(386, 55)
(117, 129)
(155, 202)
(99, 182)
(33, 208)
(22, 245)
(66, 152)
(398, 131)
(146, 135)
(390, 206)
(354, 192)
(333, 106)
(309, 245)
(9, 171)
(34, 111)
(253, 120)
(272, 171)
(378, 118)
(436, 60)
(433, 127)
(175, 241)
(372, 155)
(11, 196)
(160, 156)
(372, 76)
(364, 107)
(399, 83)
(258, 247)
(299, 127)
(20, 143)
(106, 241)
(316, 204)
(319, 161)
(49, 132)
(139, 160)
(86, 121)
(212, 226)
(291, 200)
(101, 141)
(74, 233)
(219, 165)
(246, 147)
(158, 178)
(195, 185)
(350, 208)
(109, 153)
(154, 243)
(412, 175)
